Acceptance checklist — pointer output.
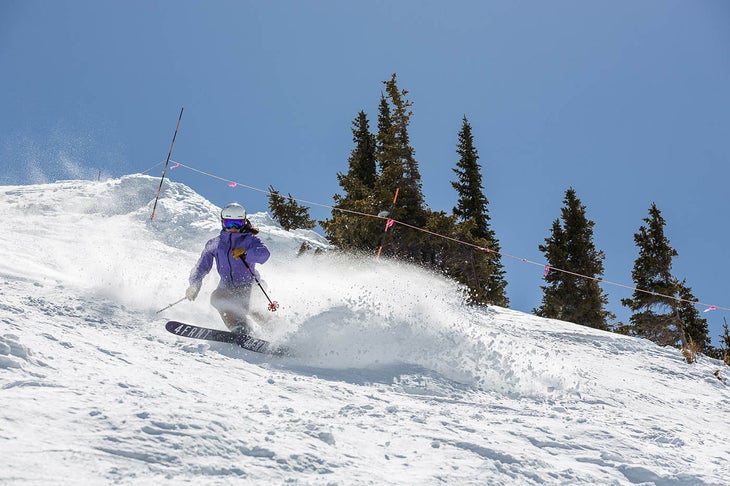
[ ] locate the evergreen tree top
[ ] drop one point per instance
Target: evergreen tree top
(471, 204)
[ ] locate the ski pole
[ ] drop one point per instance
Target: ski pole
(273, 305)
(174, 303)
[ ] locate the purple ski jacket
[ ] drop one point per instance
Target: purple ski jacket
(233, 272)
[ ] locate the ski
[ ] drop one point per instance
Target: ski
(245, 341)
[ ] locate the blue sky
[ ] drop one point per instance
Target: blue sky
(625, 101)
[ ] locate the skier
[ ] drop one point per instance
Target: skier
(233, 249)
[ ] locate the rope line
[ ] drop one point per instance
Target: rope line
(548, 268)
(156, 165)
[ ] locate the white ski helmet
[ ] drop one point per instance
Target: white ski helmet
(233, 211)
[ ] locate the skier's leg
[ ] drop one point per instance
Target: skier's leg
(232, 305)
(224, 300)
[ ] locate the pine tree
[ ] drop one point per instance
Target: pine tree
(556, 253)
(288, 212)
(385, 140)
(399, 169)
(474, 267)
(654, 304)
(694, 327)
(725, 344)
(362, 162)
(570, 248)
(348, 230)
(440, 252)
(481, 271)
(472, 204)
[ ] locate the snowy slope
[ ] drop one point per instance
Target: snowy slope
(395, 381)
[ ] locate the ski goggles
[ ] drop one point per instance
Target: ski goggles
(234, 223)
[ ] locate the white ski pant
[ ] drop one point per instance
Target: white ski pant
(232, 303)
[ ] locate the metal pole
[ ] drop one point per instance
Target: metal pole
(174, 303)
(272, 305)
(152, 216)
(388, 223)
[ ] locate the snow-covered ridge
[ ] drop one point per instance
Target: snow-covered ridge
(395, 380)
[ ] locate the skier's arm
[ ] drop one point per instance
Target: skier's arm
(256, 251)
(203, 266)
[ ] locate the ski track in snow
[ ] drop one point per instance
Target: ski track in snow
(394, 380)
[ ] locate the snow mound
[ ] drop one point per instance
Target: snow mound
(393, 379)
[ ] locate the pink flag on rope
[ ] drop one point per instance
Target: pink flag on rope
(711, 308)
(547, 270)
(389, 224)
(232, 184)
(175, 166)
